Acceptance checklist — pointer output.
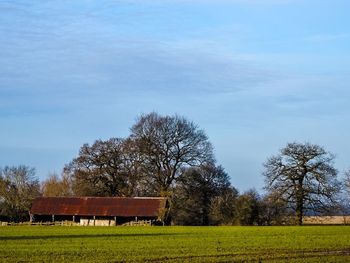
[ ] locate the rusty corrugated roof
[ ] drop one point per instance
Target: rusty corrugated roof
(99, 206)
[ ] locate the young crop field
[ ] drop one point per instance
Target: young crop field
(174, 244)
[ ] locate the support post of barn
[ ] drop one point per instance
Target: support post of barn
(135, 218)
(73, 219)
(53, 218)
(115, 220)
(31, 218)
(94, 220)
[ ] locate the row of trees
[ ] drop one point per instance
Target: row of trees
(202, 196)
(148, 162)
(170, 156)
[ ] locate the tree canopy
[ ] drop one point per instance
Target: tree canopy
(168, 144)
(102, 169)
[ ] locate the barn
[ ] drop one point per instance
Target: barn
(98, 210)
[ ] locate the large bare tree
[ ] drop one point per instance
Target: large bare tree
(168, 144)
(303, 175)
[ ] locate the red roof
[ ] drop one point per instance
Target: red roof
(99, 206)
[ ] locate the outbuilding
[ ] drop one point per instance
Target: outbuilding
(98, 210)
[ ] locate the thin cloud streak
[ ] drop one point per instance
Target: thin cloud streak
(327, 37)
(210, 2)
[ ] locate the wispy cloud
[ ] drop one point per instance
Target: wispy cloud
(327, 37)
(249, 2)
(52, 62)
(93, 71)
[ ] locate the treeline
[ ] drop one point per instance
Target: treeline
(172, 157)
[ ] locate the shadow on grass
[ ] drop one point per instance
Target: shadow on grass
(4, 238)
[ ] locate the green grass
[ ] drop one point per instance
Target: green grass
(174, 244)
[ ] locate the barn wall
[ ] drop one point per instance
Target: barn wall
(98, 222)
(110, 221)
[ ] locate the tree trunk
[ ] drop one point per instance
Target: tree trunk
(299, 203)
(299, 213)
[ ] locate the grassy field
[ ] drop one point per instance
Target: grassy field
(174, 244)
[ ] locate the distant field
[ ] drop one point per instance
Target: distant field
(174, 244)
(326, 220)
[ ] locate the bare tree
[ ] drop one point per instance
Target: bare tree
(223, 207)
(274, 210)
(344, 205)
(248, 208)
(18, 188)
(168, 144)
(56, 185)
(102, 169)
(132, 159)
(347, 181)
(199, 196)
(303, 175)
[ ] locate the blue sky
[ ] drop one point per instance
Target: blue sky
(253, 74)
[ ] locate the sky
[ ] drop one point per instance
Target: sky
(253, 74)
